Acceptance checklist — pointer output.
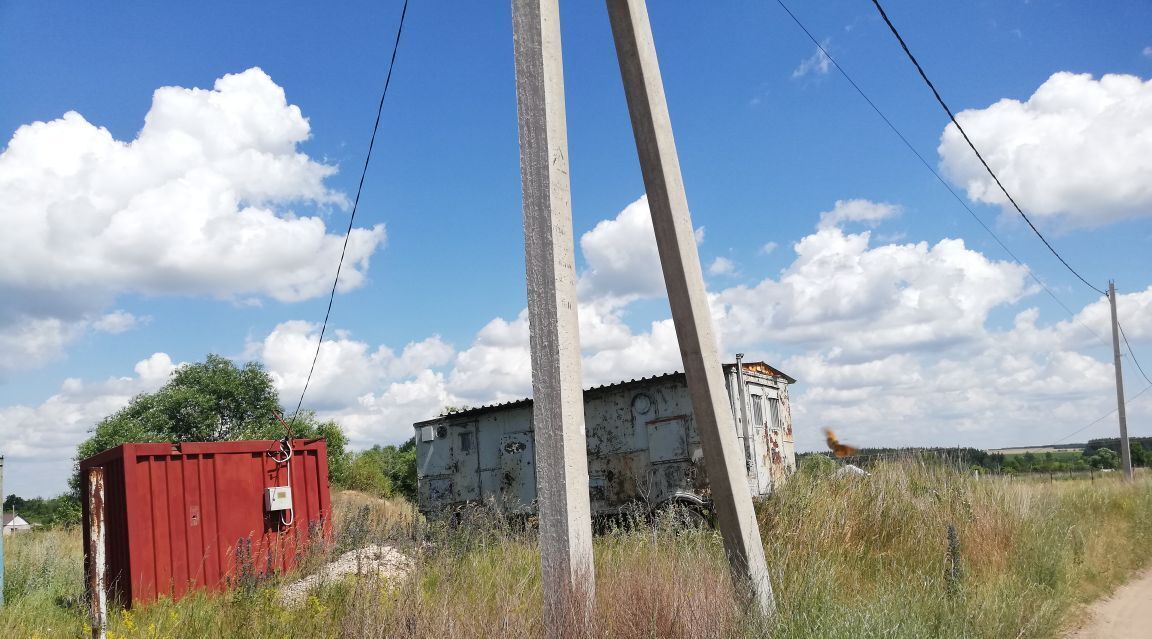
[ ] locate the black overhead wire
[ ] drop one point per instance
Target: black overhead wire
(992, 173)
(1102, 418)
(355, 205)
(933, 171)
(1130, 352)
(823, 50)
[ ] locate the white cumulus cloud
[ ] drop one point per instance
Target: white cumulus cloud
(892, 344)
(722, 266)
(201, 202)
(866, 211)
(40, 440)
(1078, 151)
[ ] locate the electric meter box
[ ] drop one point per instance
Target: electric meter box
(278, 498)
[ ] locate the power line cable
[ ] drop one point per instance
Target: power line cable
(823, 50)
(1130, 352)
(1106, 416)
(992, 173)
(934, 172)
(355, 205)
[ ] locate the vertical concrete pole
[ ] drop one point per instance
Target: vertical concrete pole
(680, 262)
(1125, 450)
(558, 400)
(97, 568)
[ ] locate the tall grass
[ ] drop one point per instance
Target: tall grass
(850, 557)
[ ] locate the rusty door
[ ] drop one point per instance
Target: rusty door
(761, 433)
(434, 459)
(517, 472)
(466, 457)
(669, 453)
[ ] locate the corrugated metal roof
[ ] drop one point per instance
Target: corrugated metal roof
(516, 403)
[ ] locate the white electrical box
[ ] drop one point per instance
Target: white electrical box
(278, 498)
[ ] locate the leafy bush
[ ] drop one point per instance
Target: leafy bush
(211, 401)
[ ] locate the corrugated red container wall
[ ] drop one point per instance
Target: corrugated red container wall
(185, 516)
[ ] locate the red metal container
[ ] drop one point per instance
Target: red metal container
(177, 517)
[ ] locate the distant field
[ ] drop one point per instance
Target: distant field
(1035, 450)
(1057, 455)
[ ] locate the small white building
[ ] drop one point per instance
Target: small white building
(14, 523)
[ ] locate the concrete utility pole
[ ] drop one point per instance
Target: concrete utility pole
(680, 262)
(557, 389)
(1125, 450)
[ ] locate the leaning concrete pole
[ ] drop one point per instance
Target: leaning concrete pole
(1125, 450)
(558, 400)
(680, 262)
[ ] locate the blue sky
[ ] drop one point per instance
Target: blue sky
(891, 306)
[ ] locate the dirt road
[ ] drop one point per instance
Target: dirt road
(1127, 614)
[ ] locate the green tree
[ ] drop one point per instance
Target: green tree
(1139, 455)
(385, 470)
(1104, 458)
(817, 465)
(211, 401)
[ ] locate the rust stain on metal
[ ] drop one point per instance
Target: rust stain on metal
(642, 446)
(98, 559)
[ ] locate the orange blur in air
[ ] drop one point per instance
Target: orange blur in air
(838, 449)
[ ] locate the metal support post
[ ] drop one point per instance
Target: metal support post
(557, 389)
(1125, 450)
(97, 568)
(680, 262)
(750, 465)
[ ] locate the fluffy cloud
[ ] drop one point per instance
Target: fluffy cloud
(116, 322)
(40, 440)
(866, 211)
(621, 258)
(892, 343)
(1079, 150)
(871, 301)
(346, 369)
(200, 203)
(722, 266)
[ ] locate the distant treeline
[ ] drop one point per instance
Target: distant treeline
(56, 511)
(1113, 444)
(1097, 454)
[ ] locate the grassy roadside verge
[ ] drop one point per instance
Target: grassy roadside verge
(851, 557)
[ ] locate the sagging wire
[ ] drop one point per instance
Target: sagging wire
(284, 457)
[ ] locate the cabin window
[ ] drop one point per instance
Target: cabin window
(774, 413)
(757, 410)
(466, 442)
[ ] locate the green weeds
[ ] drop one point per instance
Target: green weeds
(850, 557)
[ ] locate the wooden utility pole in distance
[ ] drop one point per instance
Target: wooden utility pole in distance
(558, 398)
(1125, 450)
(680, 262)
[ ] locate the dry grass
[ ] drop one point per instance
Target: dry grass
(854, 558)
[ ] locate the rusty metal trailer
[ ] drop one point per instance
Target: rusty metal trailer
(643, 448)
(163, 519)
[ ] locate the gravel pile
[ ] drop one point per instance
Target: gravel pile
(383, 561)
